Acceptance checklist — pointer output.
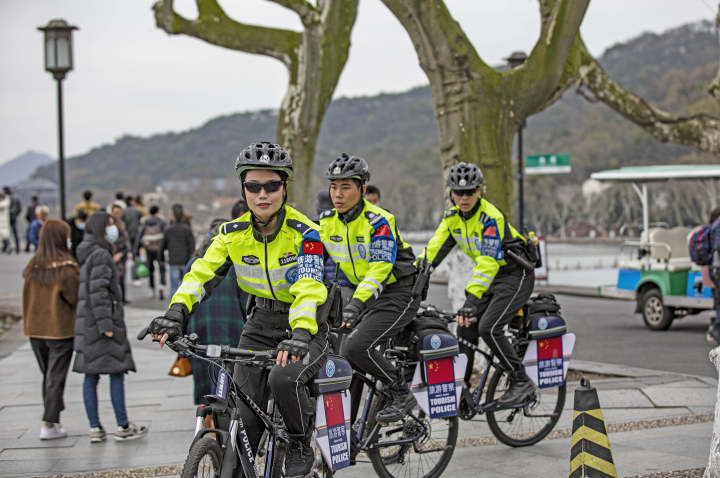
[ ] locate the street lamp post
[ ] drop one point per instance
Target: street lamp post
(59, 61)
(516, 59)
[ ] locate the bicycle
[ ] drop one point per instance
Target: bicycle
(524, 424)
(208, 455)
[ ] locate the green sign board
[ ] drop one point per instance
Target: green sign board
(547, 164)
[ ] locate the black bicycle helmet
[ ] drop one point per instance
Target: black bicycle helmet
(264, 155)
(348, 167)
(464, 177)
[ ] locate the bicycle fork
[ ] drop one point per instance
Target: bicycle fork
(238, 446)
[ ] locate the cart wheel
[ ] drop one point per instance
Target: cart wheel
(654, 312)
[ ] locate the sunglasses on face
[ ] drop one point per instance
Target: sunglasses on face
(464, 192)
(269, 187)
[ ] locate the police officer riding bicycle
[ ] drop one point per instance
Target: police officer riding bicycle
(499, 286)
(278, 257)
(363, 240)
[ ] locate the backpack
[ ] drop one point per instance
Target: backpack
(700, 247)
(153, 236)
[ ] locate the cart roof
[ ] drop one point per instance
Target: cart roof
(641, 174)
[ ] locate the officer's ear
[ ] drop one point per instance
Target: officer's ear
(363, 188)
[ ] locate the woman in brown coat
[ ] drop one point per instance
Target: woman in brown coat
(50, 296)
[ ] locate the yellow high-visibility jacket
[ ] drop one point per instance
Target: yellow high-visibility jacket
(481, 236)
(367, 247)
(287, 266)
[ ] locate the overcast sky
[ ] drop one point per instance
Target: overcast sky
(132, 78)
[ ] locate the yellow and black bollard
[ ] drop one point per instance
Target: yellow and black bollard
(590, 455)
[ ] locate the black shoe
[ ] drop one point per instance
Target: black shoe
(521, 388)
(402, 402)
(299, 459)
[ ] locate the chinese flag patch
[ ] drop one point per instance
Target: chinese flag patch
(440, 371)
(334, 409)
(490, 231)
(312, 247)
(383, 230)
(550, 348)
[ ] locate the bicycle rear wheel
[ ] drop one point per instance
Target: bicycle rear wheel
(204, 459)
(527, 425)
(426, 457)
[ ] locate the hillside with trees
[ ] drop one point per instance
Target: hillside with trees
(397, 133)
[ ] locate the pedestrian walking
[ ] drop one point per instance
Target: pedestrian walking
(77, 230)
(30, 217)
(101, 344)
(41, 215)
(178, 240)
(50, 295)
(121, 248)
(218, 320)
(141, 207)
(15, 210)
(151, 237)
(5, 222)
(86, 205)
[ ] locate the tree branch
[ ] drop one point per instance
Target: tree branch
(700, 131)
(306, 11)
(214, 26)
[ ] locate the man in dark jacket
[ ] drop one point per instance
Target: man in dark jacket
(30, 217)
(15, 210)
(151, 237)
(180, 244)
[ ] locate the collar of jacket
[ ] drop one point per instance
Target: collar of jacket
(353, 212)
(278, 225)
(471, 212)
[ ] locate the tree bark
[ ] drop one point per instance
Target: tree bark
(314, 58)
(479, 109)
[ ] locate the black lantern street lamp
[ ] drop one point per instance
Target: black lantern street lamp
(59, 61)
(516, 59)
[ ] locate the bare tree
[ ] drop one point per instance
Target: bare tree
(480, 109)
(315, 58)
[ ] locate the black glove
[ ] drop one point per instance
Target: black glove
(298, 345)
(469, 310)
(351, 316)
(172, 323)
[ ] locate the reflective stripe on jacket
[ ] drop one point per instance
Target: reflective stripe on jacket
(287, 266)
(367, 247)
(481, 237)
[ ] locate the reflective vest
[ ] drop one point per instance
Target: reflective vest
(481, 237)
(367, 247)
(287, 266)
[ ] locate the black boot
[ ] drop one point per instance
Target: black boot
(521, 388)
(299, 459)
(402, 401)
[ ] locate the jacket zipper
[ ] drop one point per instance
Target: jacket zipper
(267, 272)
(347, 236)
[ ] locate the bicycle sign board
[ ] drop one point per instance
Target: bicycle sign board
(332, 422)
(439, 395)
(546, 361)
(547, 164)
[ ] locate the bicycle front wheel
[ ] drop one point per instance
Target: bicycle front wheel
(425, 457)
(204, 459)
(526, 425)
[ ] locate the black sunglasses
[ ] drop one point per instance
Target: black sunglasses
(464, 192)
(269, 187)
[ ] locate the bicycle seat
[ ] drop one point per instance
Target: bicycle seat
(334, 376)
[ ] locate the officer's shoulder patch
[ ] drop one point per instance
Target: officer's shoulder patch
(328, 213)
(372, 217)
(299, 226)
(450, 213)
(229, 227)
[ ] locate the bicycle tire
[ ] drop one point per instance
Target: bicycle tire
(520, 439)
(381, 462)
(209, 447)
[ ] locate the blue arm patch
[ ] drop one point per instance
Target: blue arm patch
(491, 244)
(383, 246)
(310, 261)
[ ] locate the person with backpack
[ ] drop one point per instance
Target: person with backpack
(714, 270)
(151, 237)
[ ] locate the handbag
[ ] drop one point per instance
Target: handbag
(181, 367)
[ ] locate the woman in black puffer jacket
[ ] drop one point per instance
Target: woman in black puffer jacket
(101, 344)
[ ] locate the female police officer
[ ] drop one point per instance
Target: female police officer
(278, 257)
(499, 286)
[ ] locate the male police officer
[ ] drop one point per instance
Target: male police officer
(499, 286)
(365, 243)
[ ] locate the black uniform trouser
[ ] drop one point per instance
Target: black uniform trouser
(391, 312)
(509, 291)
(153, 257)
(264, 331)
(54, 357)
